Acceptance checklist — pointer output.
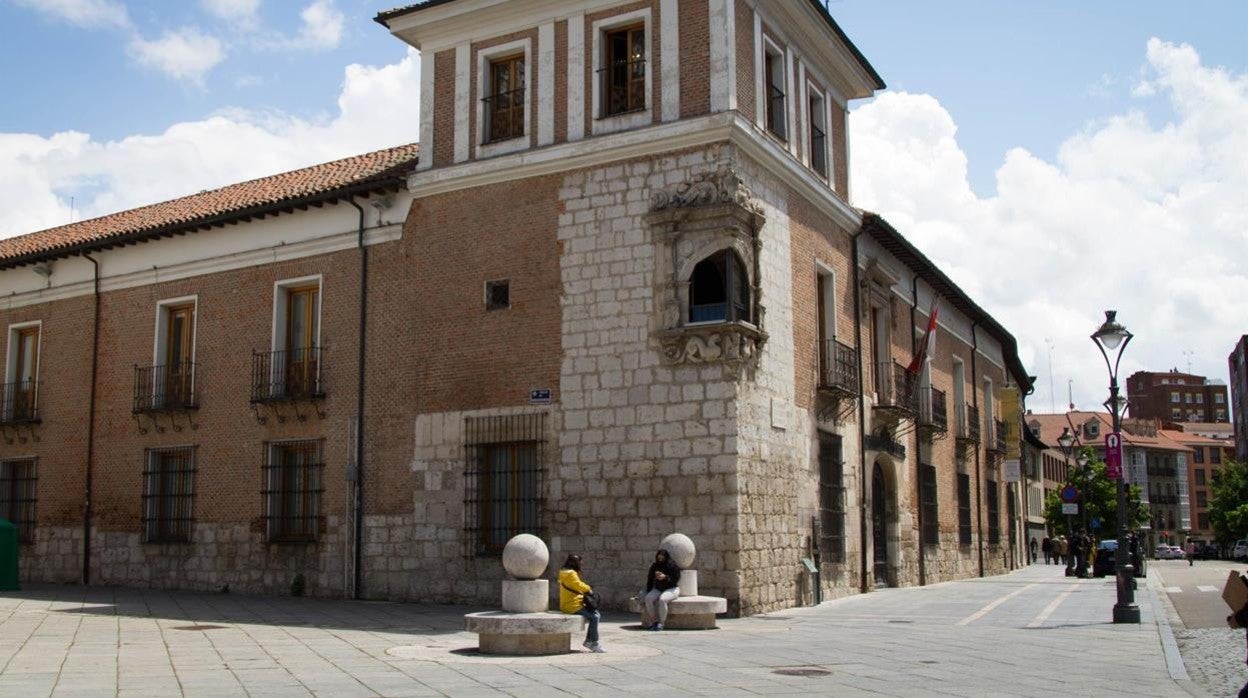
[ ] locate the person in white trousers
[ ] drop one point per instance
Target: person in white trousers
(661, 590)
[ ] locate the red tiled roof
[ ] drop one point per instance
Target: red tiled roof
(329, 180)
(1051, 427)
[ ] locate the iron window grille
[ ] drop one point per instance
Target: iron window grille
(933, 408)
(895, 386)
(168, 494)
(286, 375)
(504, 107)
(623, 78)
(777, 116)
(831, 499)
(818, 146)
(503, 479)
(167, 387)
(964, 509)
(967, 422)
(994, 513)
(19, 402)
(17, 496)
(928, 502)
(292, 491)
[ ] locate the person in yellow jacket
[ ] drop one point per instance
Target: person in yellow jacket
(572, 590)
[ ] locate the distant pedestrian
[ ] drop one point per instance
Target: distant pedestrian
(1063, 551)
(572, 591)
(1191, 553)
(1046, 546)
(661, 590)
(1033, 545)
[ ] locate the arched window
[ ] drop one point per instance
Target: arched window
(719, 289)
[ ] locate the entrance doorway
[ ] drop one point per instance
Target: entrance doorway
(879, 526)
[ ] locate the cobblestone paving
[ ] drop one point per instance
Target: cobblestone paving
(998, 636)
(1214, 658)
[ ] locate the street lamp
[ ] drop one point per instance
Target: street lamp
(1112, 337)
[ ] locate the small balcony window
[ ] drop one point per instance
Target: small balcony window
(777, 116)
(504, 107)
(624, 75)
(19, 398)
(719, 290)
(818, 135)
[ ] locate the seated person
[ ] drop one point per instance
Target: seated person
(661, 589)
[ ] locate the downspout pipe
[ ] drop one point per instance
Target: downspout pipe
(358, 547)
(979, 488)
(95, 367)
(918, 460)
(862, 418)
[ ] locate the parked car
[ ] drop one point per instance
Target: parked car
(1106, 563)
(1240, 552)
(1168, 552)
(1208, 551)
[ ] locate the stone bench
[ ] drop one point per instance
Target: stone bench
(687, 612)
(528, 634)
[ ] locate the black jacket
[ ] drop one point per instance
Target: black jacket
(668, 568)
(1241, 618)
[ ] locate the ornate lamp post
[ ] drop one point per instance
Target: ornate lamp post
(1112, 337)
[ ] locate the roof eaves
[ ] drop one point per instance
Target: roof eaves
(840, 33)
(377, 183)
(897, 245)
(386, 15)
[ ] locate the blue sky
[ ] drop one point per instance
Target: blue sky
(1051, 156)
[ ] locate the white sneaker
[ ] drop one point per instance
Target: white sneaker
(597, 649)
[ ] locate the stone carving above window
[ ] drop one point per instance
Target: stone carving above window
(709, 296)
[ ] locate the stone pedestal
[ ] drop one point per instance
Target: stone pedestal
(525, 634)
(526, 595)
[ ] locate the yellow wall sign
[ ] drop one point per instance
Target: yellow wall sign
(1011, 414)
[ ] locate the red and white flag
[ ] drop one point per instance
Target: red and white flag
(929, 337)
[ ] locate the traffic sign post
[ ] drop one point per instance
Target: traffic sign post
(1069, 494)
(1070, 509)
(1113, 456)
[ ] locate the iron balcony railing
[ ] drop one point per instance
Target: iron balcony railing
(933, 411)
(996, 435)
(1002, 436)
(895, 387)
(623, 87)
(966, 419)
(838, 367)
(165, 387)
(504, 113)
(19, 402)
(286, 375)
(1161, 470)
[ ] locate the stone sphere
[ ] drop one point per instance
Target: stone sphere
(680, 548)
(525, 556)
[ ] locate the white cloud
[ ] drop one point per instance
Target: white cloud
(1147, 219)
(84, 13)
(183, 54)
(377, 107)
(242, 13)
(321, 26)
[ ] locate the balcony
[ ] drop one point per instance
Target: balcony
(966, 424)
(286, 376)
(933, 412)
(996, 436)
(838, 369)
(165, 388)
(19, 403)
(895, 390)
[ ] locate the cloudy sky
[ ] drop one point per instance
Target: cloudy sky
(1055, 158)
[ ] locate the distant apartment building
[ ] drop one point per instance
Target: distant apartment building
(1173, 396)
(1208, 453)
(1239, 392)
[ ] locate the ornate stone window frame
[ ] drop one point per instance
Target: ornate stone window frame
(712, 212)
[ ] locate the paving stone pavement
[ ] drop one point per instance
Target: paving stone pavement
(1030, 633)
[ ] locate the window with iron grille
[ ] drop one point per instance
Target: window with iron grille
(831, 499)
(624, 81)
(503, 479)
(994, 513)
(504, 107)
(776, 109)
(168, 494)
(292, 491)
(927, 500)
(17, 496)
(964, 509)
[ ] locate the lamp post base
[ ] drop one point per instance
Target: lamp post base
(1126, 613)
